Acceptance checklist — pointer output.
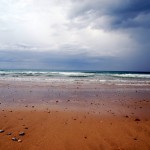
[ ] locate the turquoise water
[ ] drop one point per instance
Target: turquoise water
(102, 76)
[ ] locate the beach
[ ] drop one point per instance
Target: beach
(74, 75)
(74, 115)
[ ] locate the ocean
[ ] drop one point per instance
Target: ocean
(104, 77)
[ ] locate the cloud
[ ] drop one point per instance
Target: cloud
(45, 25)
(114, 13)
(51, 60)
(92, 33)
(130, 19)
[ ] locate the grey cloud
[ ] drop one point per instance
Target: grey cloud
(121, 14)
(130, 17)
(54, 60)
(134, 13)
(27, 28)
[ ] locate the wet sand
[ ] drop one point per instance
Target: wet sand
(77, 115)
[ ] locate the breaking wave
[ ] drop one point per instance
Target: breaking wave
(140, 76)
(96, 76)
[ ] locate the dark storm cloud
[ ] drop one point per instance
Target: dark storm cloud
(121, 14)
(75, 34)
(131, 17)
(51, 60)
(135, 13)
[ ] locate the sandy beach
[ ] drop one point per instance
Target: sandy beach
(74, 75)
(74, 116)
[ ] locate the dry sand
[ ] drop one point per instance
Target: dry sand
(75, 116)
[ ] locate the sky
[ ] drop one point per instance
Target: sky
(75, 34)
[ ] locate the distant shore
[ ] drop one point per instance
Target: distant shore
(74, 115)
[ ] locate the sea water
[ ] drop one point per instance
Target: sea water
(104, 77)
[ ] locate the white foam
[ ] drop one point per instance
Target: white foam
(132, 75)
(76, 74)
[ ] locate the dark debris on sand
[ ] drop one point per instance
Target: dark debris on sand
(1, 131)
(137, 119)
